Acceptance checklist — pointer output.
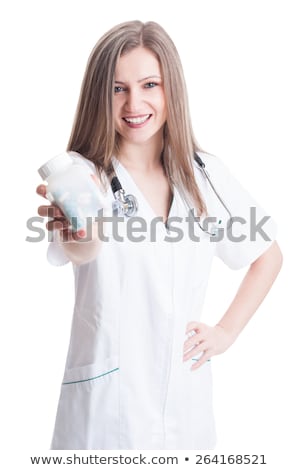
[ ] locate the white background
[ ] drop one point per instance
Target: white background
(241, 65)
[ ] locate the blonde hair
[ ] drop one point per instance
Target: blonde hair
(94, 135)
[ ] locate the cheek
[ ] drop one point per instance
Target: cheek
(161, 102)
(157, 103)
(116, 117)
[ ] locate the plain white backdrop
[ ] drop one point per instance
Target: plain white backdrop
(241, 66)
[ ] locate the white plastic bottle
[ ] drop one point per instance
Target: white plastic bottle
(72, 188)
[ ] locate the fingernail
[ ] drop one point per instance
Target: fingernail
(81, 233)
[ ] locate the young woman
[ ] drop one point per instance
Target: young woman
(138, 370)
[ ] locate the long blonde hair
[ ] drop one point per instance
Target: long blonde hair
(94, 135)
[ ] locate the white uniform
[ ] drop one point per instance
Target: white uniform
(125, 385)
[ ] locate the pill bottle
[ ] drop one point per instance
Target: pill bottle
(72, 188)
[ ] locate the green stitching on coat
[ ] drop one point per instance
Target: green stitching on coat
(195, 359)
(91, 378)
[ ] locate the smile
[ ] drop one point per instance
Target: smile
(137, 120)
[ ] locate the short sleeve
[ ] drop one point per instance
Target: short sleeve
(250, 231)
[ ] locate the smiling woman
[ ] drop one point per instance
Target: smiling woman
(138, 369)
(139, 104)
(137, 65)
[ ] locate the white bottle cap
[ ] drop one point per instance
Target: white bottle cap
(58, 163)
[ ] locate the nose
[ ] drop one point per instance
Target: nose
(134, 100)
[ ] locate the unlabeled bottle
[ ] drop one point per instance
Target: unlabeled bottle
(72, 188)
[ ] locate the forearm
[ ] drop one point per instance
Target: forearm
(253, 289)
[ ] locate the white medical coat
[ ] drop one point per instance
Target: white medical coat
(125, 385)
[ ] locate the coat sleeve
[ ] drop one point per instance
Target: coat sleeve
(245, 236)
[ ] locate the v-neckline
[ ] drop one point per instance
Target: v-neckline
(142, 196)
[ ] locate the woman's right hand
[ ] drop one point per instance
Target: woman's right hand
(58, 220)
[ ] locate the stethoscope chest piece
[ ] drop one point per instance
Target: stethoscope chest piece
(124, 204)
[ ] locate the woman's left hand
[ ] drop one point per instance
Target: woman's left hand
(208, 340)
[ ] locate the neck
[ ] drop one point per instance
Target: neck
(141, 157)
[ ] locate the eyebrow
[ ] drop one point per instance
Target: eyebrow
(141, 80)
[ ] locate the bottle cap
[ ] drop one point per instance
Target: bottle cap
(58, 163)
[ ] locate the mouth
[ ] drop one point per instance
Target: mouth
(137, 121)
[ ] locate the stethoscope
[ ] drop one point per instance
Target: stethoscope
(127, 204)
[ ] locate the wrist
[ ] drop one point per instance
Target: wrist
(229, 331)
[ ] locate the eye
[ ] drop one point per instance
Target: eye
(118, 89)
(151, 85)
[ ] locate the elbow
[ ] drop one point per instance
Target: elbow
(279, 259)
(276, 256)
(272, 259)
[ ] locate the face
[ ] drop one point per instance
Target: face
(139, 101)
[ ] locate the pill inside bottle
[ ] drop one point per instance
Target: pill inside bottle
(72, 188)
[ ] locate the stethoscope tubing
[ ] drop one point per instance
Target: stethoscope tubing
(202, 167)
(129, 205)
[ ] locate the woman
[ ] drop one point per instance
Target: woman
(138, 370)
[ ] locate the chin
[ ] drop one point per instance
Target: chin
(140, 138)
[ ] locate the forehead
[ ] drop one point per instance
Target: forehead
(137, 64)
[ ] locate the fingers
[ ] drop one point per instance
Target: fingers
(196, 343)
(57, 224)
(199, 362)
(196, 326)
(205, 340)
(42, 190)
(193, 325)
(193, 341)
(66, 235)
(50, 211)
(59, 221)
(196, 332)
(196, 349)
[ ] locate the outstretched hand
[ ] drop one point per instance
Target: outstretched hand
(58, 220)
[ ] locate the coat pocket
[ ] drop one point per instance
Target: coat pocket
(91, 372)
(88, 410)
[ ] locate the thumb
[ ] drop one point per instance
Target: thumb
(42, 190)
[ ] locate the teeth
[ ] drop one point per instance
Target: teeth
(138, 120)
